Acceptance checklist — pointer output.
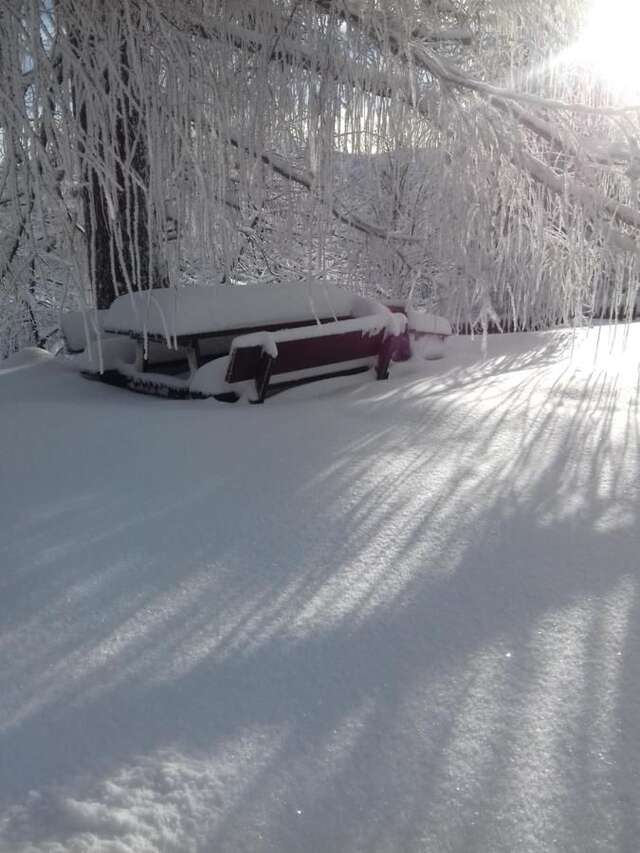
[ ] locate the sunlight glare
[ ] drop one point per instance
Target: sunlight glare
(609, 44)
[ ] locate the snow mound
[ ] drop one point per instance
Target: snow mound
(422, 321)
(78, 327)
(210, 379)
(25, 358)
(108, 354)
(428, 347)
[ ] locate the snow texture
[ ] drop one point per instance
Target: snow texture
(80, 326)
(429, 347)
(423, 321)
(110, 353)
(193, 310)
(381, 616)
(28, 357)
(210, 378)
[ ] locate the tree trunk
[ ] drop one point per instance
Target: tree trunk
(115, 200)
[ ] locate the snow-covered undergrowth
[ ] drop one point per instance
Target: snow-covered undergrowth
(366, 616)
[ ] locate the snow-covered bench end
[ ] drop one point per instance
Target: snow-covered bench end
(425, 335)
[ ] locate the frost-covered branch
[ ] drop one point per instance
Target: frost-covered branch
(394, 146)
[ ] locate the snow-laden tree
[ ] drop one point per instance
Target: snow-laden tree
(451, 151)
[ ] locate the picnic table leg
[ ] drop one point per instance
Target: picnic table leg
(384, 357)
(263, 375)
(192, 360)
(140, 362)
(196, 350)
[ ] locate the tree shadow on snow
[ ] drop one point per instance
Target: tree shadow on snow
(408, 626)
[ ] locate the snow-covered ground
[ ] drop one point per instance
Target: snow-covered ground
(366, 616)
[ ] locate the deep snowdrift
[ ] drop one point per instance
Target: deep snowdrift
(366, 616)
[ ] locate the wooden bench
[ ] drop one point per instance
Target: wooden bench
(310, 333)
(274, 362)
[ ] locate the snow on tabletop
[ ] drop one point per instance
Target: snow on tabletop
(371, 617)
(195, 310)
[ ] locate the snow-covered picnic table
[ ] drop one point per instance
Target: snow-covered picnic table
(304, 329)
(200, 322)
(165, 340)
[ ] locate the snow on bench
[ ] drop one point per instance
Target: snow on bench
(292, 356)
(425, 334)
(423, 323)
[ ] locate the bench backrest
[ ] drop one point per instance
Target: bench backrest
(305, 354)
(345, 346)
